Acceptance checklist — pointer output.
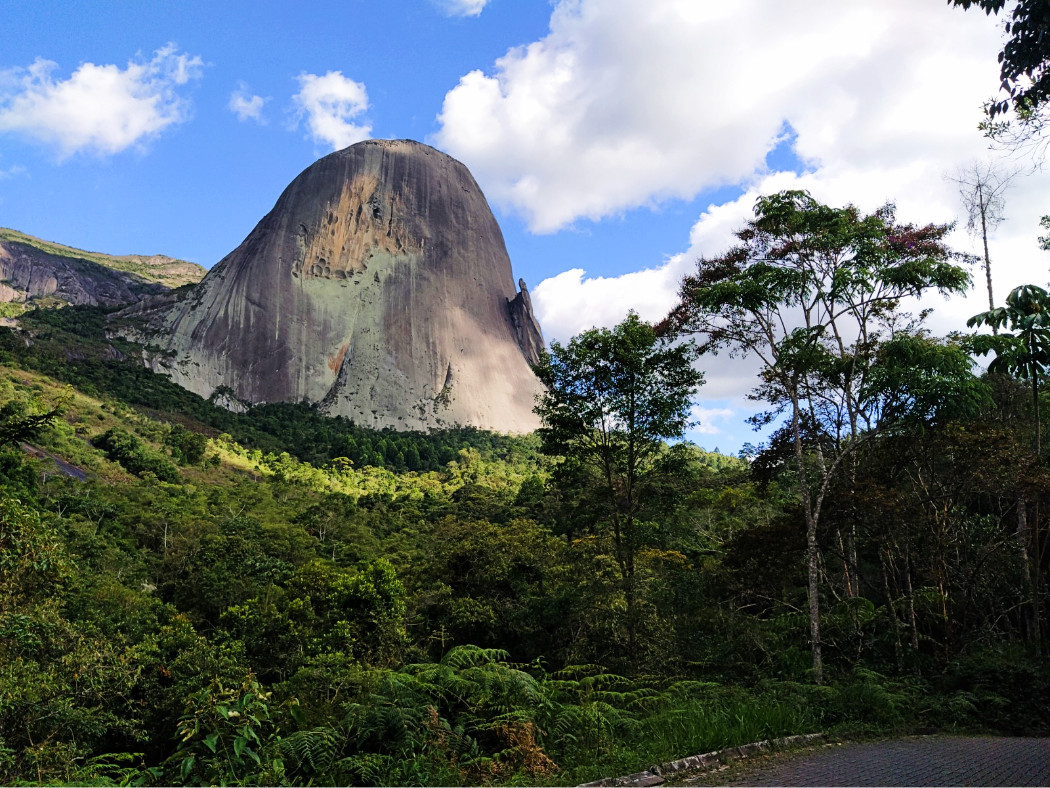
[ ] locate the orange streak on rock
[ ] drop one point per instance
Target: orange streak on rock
(336, 361)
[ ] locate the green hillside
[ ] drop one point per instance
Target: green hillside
(192, 596)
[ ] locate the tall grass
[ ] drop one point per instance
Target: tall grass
(689, 718)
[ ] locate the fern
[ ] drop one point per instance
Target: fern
(312, 751)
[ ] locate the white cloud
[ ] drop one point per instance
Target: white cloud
(627, 103)
(12, 171)
(463, 7)
(569, 303)
(246, 105)
(330, 103)
(707, 418)
(100, 109)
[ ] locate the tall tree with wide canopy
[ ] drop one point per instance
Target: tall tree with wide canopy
(813, 293)
(611, 399)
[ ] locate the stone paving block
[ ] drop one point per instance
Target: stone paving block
(920, 760)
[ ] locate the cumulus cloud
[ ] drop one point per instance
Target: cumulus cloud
(625, 104)
(463, 7)
(628, 103)
(707, 419)
(605, 300)
(101, 109)
(246, 105)
(329, 103)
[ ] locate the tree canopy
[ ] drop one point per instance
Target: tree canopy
(813, 292)
(612, 397)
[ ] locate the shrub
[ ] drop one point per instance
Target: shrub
(135, 456)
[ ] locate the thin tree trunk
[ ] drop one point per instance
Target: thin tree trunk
(630, 595)
(1038, 580)
(911, 604)
(898, 649)
(987, 258)
(847, 574)
(812, 550)
(814, 599)
(1026, 571)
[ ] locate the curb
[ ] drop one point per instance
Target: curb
(655, 775)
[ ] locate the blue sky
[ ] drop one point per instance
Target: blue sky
(618, 140)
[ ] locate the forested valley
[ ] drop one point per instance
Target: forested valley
(194, 596)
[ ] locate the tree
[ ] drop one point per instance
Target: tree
(811, 291)
(1025, 354)
(982, 187)
(612, 397)
(17, 424)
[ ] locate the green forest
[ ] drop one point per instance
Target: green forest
(192, 596)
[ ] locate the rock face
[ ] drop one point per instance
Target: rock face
(31, 270)
(378, 286)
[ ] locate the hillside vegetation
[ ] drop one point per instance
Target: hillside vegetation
(195, 596)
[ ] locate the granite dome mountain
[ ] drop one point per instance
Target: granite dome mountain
(379, 287)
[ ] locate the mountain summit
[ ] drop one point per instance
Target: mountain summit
(379, 287)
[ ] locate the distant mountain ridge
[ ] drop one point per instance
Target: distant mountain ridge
(38, 272)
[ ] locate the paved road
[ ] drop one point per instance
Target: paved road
(67, 468)
(916, 760)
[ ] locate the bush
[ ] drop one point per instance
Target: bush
(187, 448)
(1004, 690)
(135, 456)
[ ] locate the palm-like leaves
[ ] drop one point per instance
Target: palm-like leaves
(1024, 350)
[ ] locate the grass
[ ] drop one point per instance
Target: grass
(701, 720)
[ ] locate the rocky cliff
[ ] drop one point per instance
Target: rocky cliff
(378, 286)
(32, 270)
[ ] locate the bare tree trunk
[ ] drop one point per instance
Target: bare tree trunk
(911, 604)
(812, 549)
(812, 553)
(983, 210)
(898, 649)
(982, 188)
(1026, 571)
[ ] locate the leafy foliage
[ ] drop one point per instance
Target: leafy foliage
(611, 397)
(812, 292)
(17, 425)
(1024, 62)
(281, 610)
(136, 457)
(297, 428)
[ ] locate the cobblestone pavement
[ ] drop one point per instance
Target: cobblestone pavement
(916, 760)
